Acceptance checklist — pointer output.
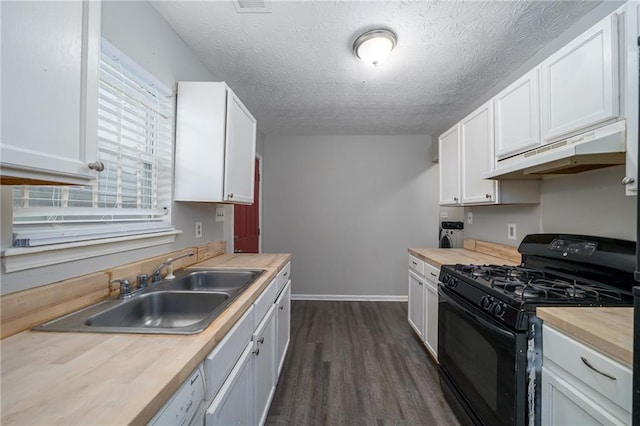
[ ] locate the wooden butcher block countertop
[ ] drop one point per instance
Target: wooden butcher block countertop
(438, 257)
(609, 330)
(91, 378)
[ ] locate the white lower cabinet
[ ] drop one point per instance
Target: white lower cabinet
(233, 403)
(283, 322)
(423, 302)
(242, 371)
(581, 385)
(264, 370)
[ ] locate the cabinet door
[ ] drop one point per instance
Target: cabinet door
(416, 304)
(563, 404)
(632, 29)
(580, 82)
(233, 405)
(240, 152)
(476, 136)
(264, 365)
(50, 57)
(431, 317)
(283, 329)
(450, 166)
(517, 116)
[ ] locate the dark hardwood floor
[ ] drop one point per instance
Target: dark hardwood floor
(356, 363)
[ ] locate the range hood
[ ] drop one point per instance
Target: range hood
(595, 149)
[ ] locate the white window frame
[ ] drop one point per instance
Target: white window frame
(103, 243)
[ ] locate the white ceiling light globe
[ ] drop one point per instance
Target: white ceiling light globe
(373, 47)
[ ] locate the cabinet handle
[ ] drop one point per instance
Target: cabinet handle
(98, 166)
(419, 283)
(285, 274)
(432, 274)
(627, 180)
(281, 308)
(588, 364)
(414, 263)
(257, 352)
(230, 195)
(261, 340)
(488, 196)
(455, 199)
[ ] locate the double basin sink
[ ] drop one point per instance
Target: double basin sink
(185, 305)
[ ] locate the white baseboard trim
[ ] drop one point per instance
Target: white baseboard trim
(349, 297)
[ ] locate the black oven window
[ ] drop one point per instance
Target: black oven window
(477, 360)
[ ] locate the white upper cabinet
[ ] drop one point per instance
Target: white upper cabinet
(476, 136)
(580, 82)
(517, 116)
(50, 60)
(215, 145)
(449, 146)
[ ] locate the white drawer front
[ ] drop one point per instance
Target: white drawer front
(219, 363)
(265, 300)
(283, 276)
(416, 264)
(431, 272)
(569, 353)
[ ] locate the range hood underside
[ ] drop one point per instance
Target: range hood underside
(567, 166)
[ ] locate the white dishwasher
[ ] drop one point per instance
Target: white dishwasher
(186, 406)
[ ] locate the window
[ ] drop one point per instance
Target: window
(133, 193)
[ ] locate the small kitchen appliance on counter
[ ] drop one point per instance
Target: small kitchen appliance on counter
(489, 339)
(451, 234)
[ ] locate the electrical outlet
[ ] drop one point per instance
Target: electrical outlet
(470, 218)
(219, 214)
(198, 229)
(511, 231)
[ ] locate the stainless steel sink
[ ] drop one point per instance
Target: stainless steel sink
(214, 280)
(186, 305)
(160, 309)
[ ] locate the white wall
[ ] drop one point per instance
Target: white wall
(490, 222)
(137, 30)
(591, 203)
(348, 208)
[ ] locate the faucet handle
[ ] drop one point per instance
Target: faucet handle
(142, 280)
(125, 287)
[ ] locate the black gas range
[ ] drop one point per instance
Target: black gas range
(489, 339)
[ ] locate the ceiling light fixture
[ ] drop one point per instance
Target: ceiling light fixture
(374, 46)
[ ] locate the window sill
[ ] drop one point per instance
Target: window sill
(23, 258)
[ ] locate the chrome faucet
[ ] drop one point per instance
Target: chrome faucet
(155, 275)
(125, 288)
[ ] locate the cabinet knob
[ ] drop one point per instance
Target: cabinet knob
(98, 166)
(261, 340)
(627, 180)
(230, 195)
(257, 352)
(455, 198)
(488, 196)
(281, 308)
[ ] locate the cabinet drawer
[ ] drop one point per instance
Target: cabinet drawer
(416, 264)
(431, 272)
(573, 356)
(265, 300)
(283, 277)
(219, 363)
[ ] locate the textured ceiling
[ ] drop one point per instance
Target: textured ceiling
(294, 69)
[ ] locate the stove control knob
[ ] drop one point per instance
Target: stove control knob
(485, 302)
(445, 279)
(498, 309)
(453, 282)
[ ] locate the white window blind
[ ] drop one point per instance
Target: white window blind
(133, 193)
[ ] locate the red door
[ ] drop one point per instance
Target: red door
(246, 220)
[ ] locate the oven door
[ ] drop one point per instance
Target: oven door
(483, 362)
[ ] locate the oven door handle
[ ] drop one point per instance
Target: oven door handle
(467, 312)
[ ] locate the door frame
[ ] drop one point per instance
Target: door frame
(260, 161)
